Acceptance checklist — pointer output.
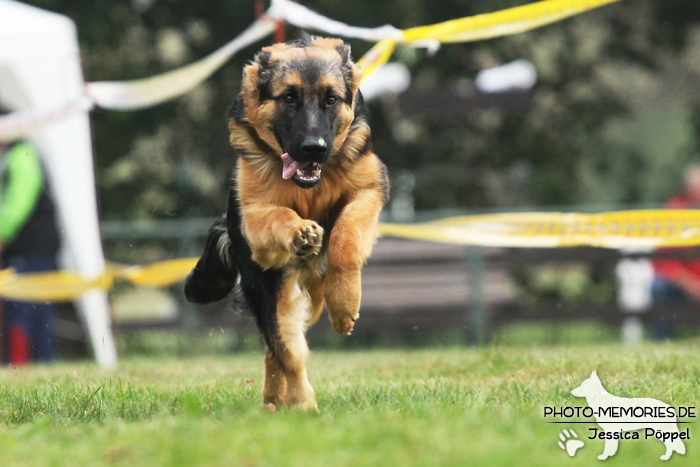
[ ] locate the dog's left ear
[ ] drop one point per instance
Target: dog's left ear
(344, 52)
(352, 74)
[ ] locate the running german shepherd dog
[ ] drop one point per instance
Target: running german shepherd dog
(303, 207)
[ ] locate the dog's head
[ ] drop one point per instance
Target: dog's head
(589, 387)
(296, 106)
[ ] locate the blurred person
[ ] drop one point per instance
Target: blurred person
(677, 281)
(29, 242)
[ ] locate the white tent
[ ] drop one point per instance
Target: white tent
(40, 69)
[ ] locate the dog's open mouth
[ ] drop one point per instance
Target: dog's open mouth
(303, 173)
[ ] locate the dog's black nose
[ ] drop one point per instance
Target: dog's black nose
(314, 148)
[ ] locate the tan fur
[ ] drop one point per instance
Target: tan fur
(338, 218)
(314, 284)
(292, 314)
(275, 386)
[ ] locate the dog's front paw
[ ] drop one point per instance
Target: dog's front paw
(344, 323)
(307, 239)
(343, 289)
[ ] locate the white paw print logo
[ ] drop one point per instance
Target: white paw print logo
(569, 443)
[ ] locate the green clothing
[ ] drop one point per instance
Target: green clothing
(21, 184)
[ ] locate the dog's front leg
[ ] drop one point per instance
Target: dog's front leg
(276, 233)
(609, 449)
(351, 242)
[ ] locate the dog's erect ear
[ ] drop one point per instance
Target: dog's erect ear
(264, 72)
(361, 110)
(594, 374)
(304, 41)
(235, 111)
(351, 72)
(344, 51)
(257, 76)
(262, 59)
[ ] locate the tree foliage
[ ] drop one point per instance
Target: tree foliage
(612, 119)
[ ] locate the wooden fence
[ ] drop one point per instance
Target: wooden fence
(414, 287)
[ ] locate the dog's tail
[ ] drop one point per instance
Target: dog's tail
(215, 274)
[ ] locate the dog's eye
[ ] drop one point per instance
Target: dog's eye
(288, 98)
(332, 100)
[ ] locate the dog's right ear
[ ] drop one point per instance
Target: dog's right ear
(262, 59)
(257, 77)
(236, 110)
(305, 39)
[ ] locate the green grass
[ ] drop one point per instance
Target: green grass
(436, 407)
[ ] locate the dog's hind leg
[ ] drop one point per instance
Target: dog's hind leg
(293, 307)
(275, 386)
(676, 445)
(215, 273)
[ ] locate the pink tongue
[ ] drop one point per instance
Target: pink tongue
(290, 166)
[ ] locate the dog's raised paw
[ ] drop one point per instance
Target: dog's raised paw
(307, 239)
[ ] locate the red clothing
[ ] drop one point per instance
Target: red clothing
(19, 350)
(672, 268)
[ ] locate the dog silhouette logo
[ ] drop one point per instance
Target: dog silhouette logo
(621, 417)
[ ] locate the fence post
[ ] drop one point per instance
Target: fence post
(634, 279)
(189, 320)
(477, 308)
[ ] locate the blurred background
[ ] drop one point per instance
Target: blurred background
(606, 117)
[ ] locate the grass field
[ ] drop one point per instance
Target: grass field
(436, 407)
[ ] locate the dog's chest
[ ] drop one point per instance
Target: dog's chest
(314, 265)
(322, 209)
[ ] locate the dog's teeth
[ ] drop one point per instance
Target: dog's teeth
(314, 176)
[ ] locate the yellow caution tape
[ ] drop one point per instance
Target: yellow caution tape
(479, 27)
(147, 92)
(154, 275)
(624, 229)
(376, 56)
(63, 286)
(58, 286)
(610, 230)
(502, 23)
